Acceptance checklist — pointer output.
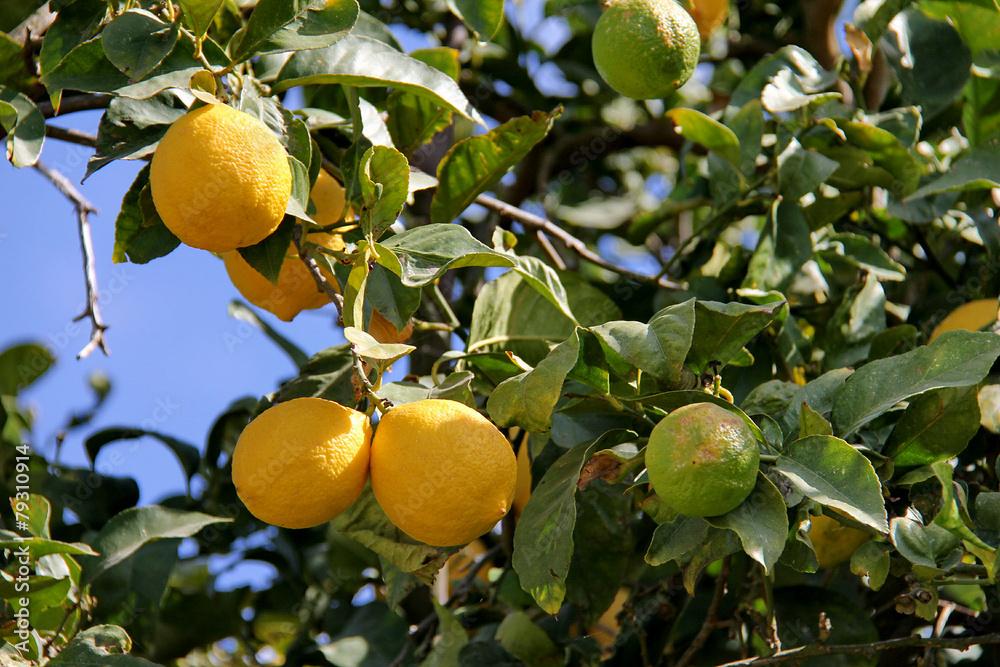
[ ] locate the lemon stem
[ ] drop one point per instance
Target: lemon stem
(493, 340)
(444, 306)
(367, 387)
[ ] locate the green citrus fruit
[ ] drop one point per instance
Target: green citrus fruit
(645, 49)
(702, 459)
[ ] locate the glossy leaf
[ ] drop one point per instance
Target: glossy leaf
(801, 171)
(136, 42)
(936, 426)
(909, 539)
(318, 27)
(543, 541)
(267, 256)
(101, 645)
(483, 17)
(423, 253)
(365, 62)
(979, 168)
(327, 374)
(130, 129)
(198, 14)
(368, 348)
(140, 235)
(834, 474)
(872, 561)
(126, 532)
(452, 639)
(24, 125)
(384, 176)
(476, 164)
(760, 521)
(268, 17)
(862, 252)
(955, 359)
(671, 541)
(710, 133)
(722, 329)
(784, 247)
(39, 546)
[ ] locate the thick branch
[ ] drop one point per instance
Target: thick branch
(570, 241)
(73, 104)
(83, 209)
(915, 641)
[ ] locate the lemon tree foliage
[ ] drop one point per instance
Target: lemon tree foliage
(800, 245)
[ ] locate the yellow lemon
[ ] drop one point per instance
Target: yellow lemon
(302, 462)
(522, 490)
(443, 473)
(973, 316)
(834, 542)
(708, 15)
(220, 179)
(296, 290)
(702, 459)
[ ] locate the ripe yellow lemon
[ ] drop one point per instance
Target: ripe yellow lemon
(645, 49)
(220, 179)
(834, 542)
(702, 459)
(708, 15)
(302, 462)
(443, 473)
(296, 290)
(973, 316)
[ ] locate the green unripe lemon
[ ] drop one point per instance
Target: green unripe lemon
(702, 460)
(645, 49)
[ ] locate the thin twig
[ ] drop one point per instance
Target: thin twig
(83, 209)
(711, 618)
(549, 250)
(321, 282)
(914, 641)
(71, 135)
(570, 241)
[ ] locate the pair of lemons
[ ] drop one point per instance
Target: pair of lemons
(221, 181)
(442, 472)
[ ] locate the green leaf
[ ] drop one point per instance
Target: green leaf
(813, 423)
(909, 539)
(268, 17)
(365, 522)
(788, 92)
(977, 22)
(936, 426)
(126, 532)
(130, 129)
(546, 281)
(527, 400)
(874, 16)
(808, 73)
(367, 347)
(721, 330)
(74, 24)
(862, 252)
(198, 14)
(385, 177)
(188, 455)
(785, 245)
(414, 120)
(954, 359)
(760, 521)
(318, 27)
(543, 541)
(979, 168)
(476, 164)
(672, 541)
(710, 133)
(483, 17)
(953, 515)
(39, 546)
(99, 646)
(801, 171)
(266, 257)
(834, 474)
(240, 311)
(365, 62)
(818, 394)
(13, 73)
(327, 375)
(872, 561)
(85, 68)
(21, 365)
(138, 238)
(451, 639)
(659, 347)
(510, 307)
(859, 317)
(424, 253)
(390, 297)
(887, 152)
(24, 125)
(136, 42)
